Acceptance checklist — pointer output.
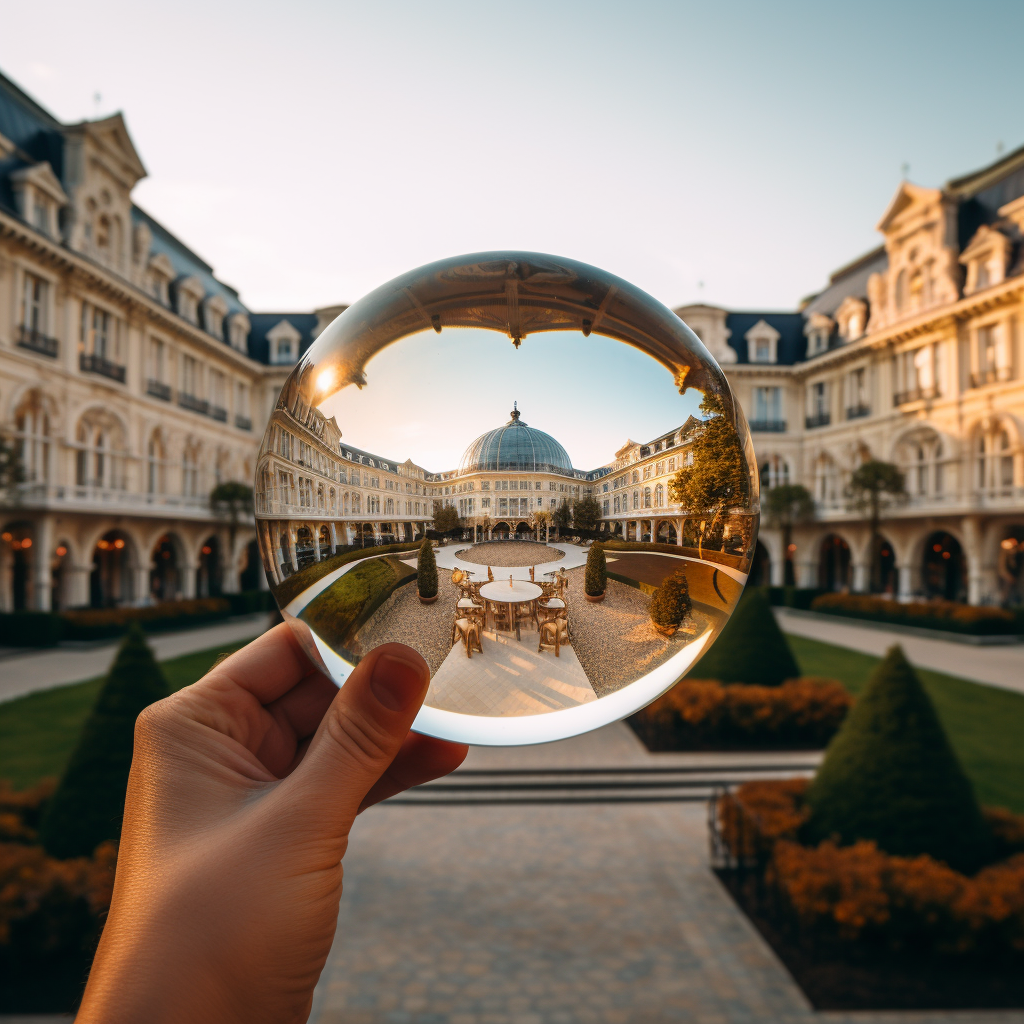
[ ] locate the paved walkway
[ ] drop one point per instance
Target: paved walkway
(512, 914)
(25, 673)
(1001, 666)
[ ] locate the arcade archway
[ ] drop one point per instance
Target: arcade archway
(834, 563)
(944, 568)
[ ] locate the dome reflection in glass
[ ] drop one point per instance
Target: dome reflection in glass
(599, 419)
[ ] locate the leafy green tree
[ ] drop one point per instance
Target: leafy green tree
(426, 571)
(562, 516)
(890, 775)
(751, 648)
(671, 603)
(718, 478)
(874, 488)
(586, 513)
(446, 518)
(233, 500)
(786, 506)
(88, 804)
(595, 577)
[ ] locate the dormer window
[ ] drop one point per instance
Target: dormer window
(762, 343)
(238, 331)
(39, 197)
(851, 318)
(161, 273)
(818, 330)
(985, 257)
(214, 311)
(284, 343)
(190, 292)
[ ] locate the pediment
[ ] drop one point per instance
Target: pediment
(762, 330)
(41, 176)
(161, 265)
(193, 286)
(984, 241)
(284, 330)
(110, 136)
(907, 195)
(216, 304)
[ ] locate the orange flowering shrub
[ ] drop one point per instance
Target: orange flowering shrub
(860, 892)
(20, 810)
(949, 615)
(702, 712)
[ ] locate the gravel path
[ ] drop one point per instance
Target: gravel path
(614, 638)
(403, 618)
(510, 553)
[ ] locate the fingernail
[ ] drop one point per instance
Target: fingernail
(395, 682)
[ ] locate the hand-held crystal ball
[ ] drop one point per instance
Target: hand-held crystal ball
(525, 468)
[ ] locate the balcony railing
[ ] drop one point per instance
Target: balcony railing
(219, 414)
(111, 500)
(991, 376)
(915, 395)
(158, 389)
(200, 405)
(243, 422)
(819, 419)
(91, 363)
(36, 341)
(768, 426)
(858, 412)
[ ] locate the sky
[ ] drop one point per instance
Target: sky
(465, 382)
(733, 153)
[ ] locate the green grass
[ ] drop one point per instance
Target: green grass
(984, 724)
(37, 732)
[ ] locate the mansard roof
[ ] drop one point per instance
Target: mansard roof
(263, 323)
(847, 281)
(791, 344)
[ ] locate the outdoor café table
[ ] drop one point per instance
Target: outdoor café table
(499, 592)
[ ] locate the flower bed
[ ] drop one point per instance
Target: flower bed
(860, 928)
(51, 911)
(951, 616)
(704, 714)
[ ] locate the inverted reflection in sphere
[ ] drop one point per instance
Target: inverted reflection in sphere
(526, 469)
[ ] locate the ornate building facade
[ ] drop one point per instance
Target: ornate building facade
(132, 381)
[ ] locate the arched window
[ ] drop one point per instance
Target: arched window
(190, 471)
(636, 499)
(155, 464)
(774, 472)
(636, 476)
(647, 497)
(617, 509)
(32, 424)
(659, 496)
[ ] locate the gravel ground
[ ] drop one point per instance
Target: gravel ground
(426, 628)
(614, 638)
(510, 553)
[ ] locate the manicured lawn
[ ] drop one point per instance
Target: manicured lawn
(37, 732)
(985, 724)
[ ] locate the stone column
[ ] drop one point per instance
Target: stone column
(42, 580)
(973, 554)
(314, 529)
(334, 537)
(777, 571)
(293, 540)
(77, 593)
(229, 574)
(143, 595)
(680, 524)
(906, 584)
(861, 578)
(6, 578)
(187, 579)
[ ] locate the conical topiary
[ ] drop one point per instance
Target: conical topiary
(751, 648)
(426, 571)
(595, 578)
(890, 775)
(88, 805)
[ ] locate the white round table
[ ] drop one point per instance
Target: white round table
(501, 593)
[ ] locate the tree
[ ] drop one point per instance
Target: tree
(751, 648)
(446, 518)
(890, 775)
(874, 488)
(786, 506)
(595, 578)
(88, 805)
(485, 525)
(426, 571)
(562, 516)
(718, 477)
(586, 513)
(539, 520)
(233, 500)
(671, 602)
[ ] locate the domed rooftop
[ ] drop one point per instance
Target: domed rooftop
(517, 448)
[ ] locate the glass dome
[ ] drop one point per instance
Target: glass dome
(516, 447)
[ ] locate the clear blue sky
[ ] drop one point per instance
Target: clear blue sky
(312, 150)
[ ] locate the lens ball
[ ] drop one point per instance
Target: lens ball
(526, 469)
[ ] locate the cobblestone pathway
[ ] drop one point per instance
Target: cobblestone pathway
(553, 915)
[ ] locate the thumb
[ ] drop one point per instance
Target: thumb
(359, 737)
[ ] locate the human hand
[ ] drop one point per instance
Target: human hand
(242, 792)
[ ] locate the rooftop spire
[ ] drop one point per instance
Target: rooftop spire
(515, 411)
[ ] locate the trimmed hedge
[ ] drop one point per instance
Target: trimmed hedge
(704, 714)
(31, 629)
(793, 597)
(861, 894)
(951, 616)
(671, 603)
(290, 588)
(722, 557)
(426, 571)
(595, 578)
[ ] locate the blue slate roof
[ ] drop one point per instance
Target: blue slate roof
(849, 280)
(792, 344)
(259, 346)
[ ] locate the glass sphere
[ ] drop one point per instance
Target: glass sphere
(525, 468)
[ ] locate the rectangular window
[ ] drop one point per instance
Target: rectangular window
(190, 378)
(767, 405)
(34, 308)
(762, 350)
